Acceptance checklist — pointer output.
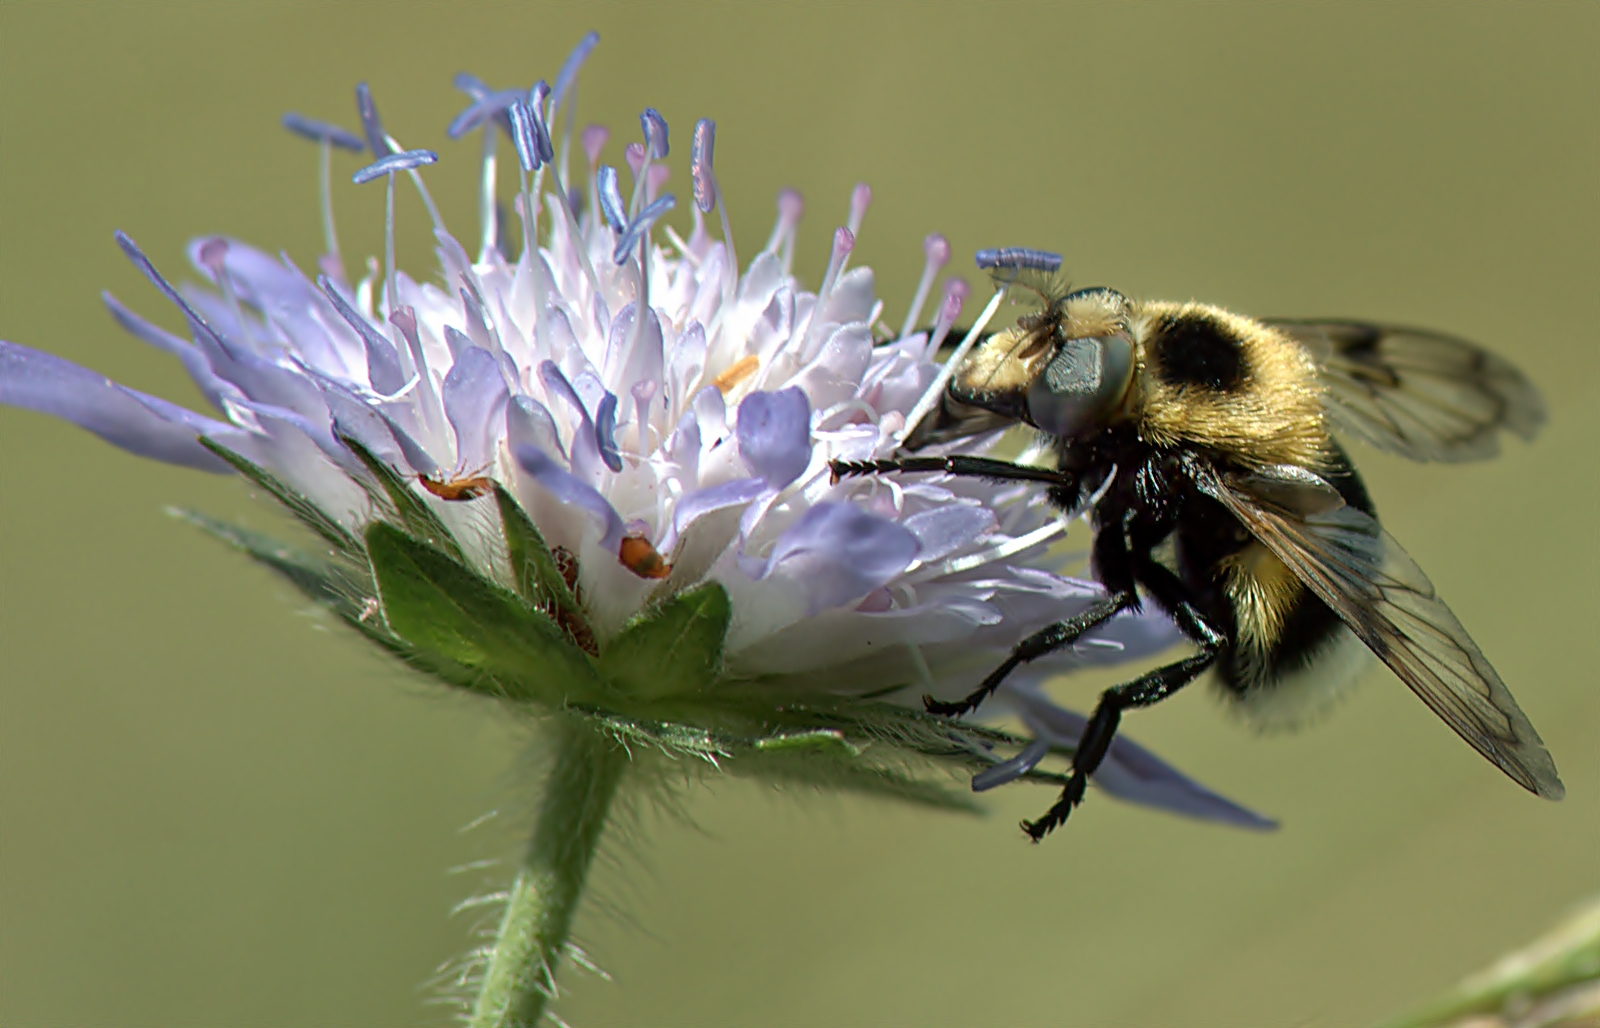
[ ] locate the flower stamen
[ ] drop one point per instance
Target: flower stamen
(936, 254)
(326, 137)
(736, 372)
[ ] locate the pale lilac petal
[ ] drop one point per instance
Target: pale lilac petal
(1131, 772)
(194, 362)
(711, 411)
(259, 379)
(682, 447)
(139, 423)
(352, 416)
(774, 431)
(529, 423)
(419, 458)
(585, 446)
(697, 504)
(569, 489)
(475, 396)
(631, 360)
(943, 530)
(687, 361)
(383, 361)
(838, 553)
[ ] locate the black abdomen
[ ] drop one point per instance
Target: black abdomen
(1283, 667)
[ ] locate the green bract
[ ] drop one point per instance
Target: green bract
(516, 631)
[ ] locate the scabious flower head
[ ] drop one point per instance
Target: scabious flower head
(586, 466)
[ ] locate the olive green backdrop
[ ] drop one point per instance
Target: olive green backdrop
(218, 811)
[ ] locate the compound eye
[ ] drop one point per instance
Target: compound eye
(1083, 381)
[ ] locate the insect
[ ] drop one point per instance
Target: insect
(458, 488)
(1204, 441)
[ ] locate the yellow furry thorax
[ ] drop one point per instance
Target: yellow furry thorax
(1276, 417)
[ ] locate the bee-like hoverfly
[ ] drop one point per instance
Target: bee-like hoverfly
(1204, 442)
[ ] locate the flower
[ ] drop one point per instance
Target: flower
(544, 472)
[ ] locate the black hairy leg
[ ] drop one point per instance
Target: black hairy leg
(979, 467)
(1148, 688)
(1046, 640)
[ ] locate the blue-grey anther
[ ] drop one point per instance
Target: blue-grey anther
(1018, 257)
(640, 225)
(569, 69)
(482, 108)
(1011, 770)
(536, 102)
(700, 147)
(1084, 378)
(538, 93)
(471, 84)
(322, 132)
(525, 135)
(605, 431)
(403, 161)
(611, 198)
(655, 132)
(376, 140)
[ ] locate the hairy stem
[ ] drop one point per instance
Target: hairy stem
(520, 977)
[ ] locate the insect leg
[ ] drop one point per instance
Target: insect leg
(1148, 688)
(1046, 640)
(1115, 568)
(979, 467)
(1151, 687)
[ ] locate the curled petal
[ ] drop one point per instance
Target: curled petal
(774, 431)
(569, 489)
(146, 425)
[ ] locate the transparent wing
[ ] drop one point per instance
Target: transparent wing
(1420, 394)
(1363, 575)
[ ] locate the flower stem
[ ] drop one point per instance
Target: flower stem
(520, 977)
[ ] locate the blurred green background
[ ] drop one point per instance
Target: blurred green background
(218, 811)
